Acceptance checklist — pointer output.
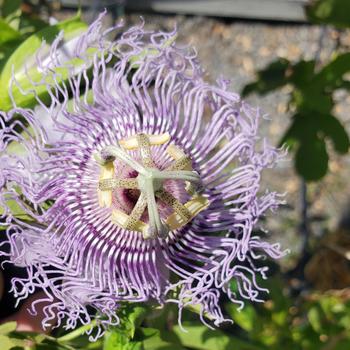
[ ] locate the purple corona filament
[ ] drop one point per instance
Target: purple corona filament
(134, 173)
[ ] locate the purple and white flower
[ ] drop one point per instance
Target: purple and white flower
(140, 182)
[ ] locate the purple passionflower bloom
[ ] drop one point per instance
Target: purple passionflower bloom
(140, 183)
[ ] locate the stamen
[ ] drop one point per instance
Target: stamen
(121, 219)
(105, 197)
(150, 184)
(172, 202)
(131, 143)
(183, 163)
(194, 206)
(135, 216)
(111, 184)
(145, 150)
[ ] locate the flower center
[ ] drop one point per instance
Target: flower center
(148, 188)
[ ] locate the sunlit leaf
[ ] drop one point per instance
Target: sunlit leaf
(24, 55)
(8, 343)
(314, 317)
(7, 327)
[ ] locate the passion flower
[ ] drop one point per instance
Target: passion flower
(139, 182)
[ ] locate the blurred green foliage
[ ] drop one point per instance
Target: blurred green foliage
(334, 12)
(22, 35)
(313, 321)
(15, 27)
(314, 123)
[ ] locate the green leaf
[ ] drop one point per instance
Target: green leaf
(302, 73)
(8, 343)
(6, 51)
(341, 344)
(123, 335)
(344, 84)
(309, 131)
(135, 317)
(152, 340)
(8, 327)
(149, 51)
(270, 78)
(334, 12)
(9, 7)
(314, 317)
(51, 346)
(76, 339)
(311, 159)
(303, 128)
(30, 24)
(312, 98)
(26, 53)
(245, 318)
(117, 340)
(200, 337)
(16, 209)
(7, 33)
(330, 77)
(131, 316)
(333, 129)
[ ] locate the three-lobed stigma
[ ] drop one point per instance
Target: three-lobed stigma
(150, 184)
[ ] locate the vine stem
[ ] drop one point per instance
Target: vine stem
(77, 332)
(304, 227)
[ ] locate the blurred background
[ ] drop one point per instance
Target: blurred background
(292, 59)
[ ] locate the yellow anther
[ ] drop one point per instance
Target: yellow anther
(135, 216)
(111, 184)
(105, 197)
(194, 206)
(182, 161)
(190, 189)
(144, 146)
(175, 152)
(131, 143)
(122, 220)
(172, 202)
